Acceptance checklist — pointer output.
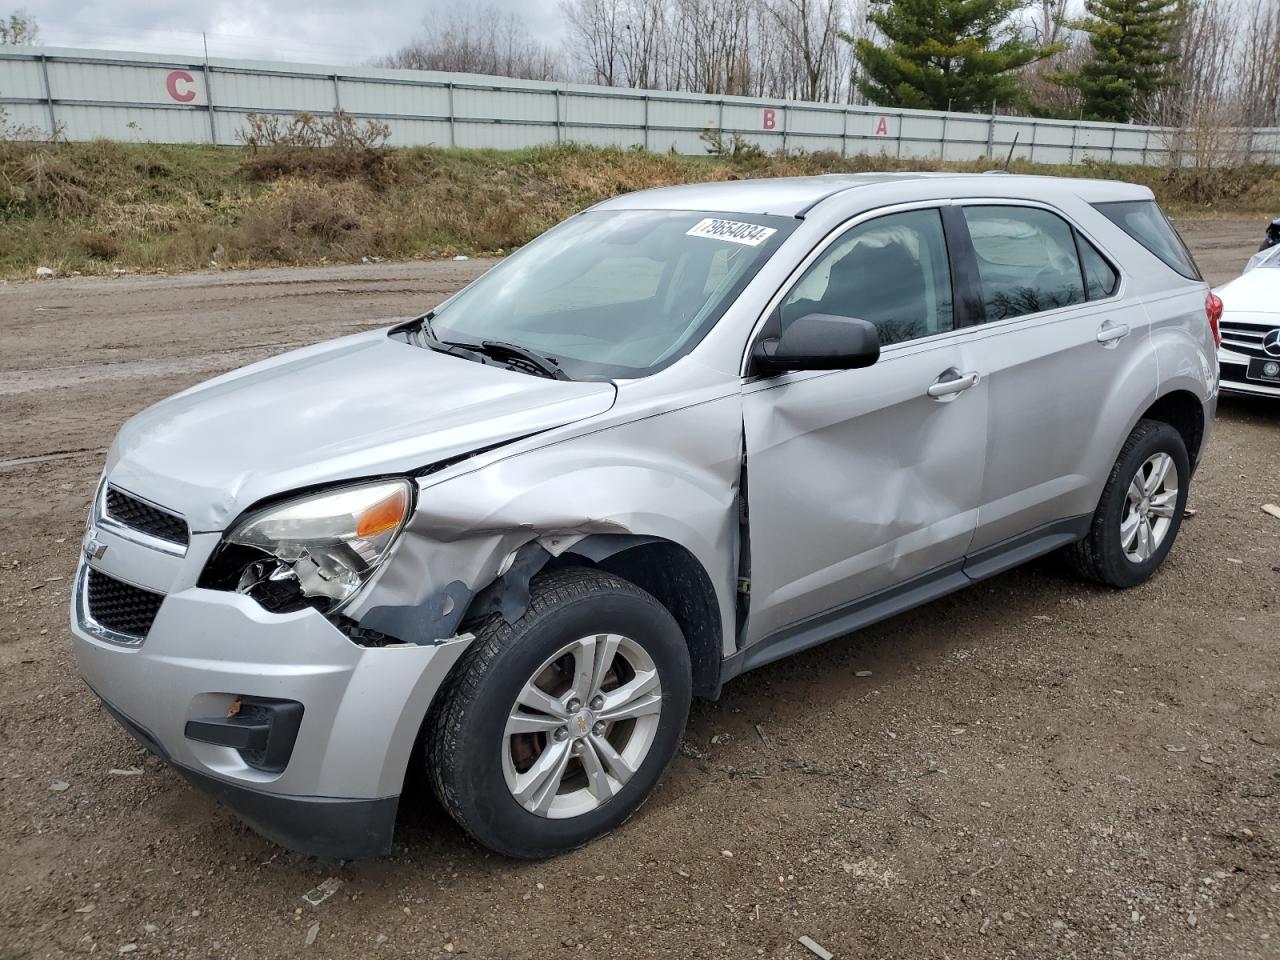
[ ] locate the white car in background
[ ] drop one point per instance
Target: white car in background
(1249, 356)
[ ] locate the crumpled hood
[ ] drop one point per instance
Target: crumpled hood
(355, 407)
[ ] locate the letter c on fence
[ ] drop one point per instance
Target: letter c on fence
(770, 118)
(171, 84)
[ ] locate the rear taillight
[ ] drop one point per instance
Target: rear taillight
(1213, 310)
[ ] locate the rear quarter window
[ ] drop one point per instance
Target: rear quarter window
(1145, 222)
(1100, 278)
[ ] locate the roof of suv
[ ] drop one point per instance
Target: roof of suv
(793, 196)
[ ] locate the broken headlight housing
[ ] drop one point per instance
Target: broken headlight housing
(312, 551)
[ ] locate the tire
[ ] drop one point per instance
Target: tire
(477, 766)
(1104, 555)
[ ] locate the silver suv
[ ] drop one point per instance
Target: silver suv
(681, 435)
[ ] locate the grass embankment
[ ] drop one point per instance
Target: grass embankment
(97, 207)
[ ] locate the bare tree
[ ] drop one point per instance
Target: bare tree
(594, 36)
(644, 43)
(19, 29)
(1257, 64)
(1049, 22)
(709, 45)
(1201, 107)
(858, 27)
(768, 48)
(483, 40)
(811, 30)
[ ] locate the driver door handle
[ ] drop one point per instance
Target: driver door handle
(951, 382)
(1111, 333)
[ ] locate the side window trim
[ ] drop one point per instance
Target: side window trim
(1080, 237)
(966, 284)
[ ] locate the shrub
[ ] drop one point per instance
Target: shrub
(100, 246)
(335, 147)
(737, 148)
(300, 220)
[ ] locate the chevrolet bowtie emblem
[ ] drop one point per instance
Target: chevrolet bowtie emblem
(93, 547)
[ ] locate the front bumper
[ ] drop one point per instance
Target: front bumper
(318, 826)
(1232, 373)
(362, 708)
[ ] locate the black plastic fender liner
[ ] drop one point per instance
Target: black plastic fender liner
(439, 615)
(509, 595)
(601, 546)
(434, 619)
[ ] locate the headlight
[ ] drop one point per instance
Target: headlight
(314, 551)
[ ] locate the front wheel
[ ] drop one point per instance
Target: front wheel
(1141, 509)
(556, 728)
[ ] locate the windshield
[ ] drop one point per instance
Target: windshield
(615, 293)
(1270, 257)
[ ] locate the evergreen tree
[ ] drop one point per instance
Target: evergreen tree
(1133, 45)
(935, 53)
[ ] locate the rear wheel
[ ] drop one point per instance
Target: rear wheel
(556, 728)
(1140, 511)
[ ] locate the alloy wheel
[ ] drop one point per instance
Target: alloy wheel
(1148, 510)
(581, 726)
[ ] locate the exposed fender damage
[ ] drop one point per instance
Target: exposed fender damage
(477, 539)
(437, 615)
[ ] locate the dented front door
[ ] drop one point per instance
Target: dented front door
(860, 480)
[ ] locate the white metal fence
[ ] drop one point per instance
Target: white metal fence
(86, 94)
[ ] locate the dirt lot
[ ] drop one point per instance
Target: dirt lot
(1034, 768)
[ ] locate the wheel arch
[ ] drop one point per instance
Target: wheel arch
(666, 570)
(1183, 411)
(674, 577)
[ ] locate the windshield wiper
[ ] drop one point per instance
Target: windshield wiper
(498, 349)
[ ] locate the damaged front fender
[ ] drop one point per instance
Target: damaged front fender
(672, 477)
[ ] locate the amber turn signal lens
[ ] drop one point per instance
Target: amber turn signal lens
(383, 516)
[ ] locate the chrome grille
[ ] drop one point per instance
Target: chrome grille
(1246, 338)
(128, 510)
(119, 606)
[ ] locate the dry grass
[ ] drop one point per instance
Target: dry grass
(100, 206)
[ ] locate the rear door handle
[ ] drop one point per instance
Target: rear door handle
(1111, 333)
(950, 382)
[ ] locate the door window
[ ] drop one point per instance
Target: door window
(891, 271)
(1027, 260)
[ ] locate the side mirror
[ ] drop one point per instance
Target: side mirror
(819, 341)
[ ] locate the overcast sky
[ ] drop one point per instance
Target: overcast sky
(317, 31)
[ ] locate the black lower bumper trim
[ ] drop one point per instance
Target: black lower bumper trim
(332, 828)
(317, 826)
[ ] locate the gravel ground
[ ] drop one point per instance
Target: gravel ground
(1033, 768)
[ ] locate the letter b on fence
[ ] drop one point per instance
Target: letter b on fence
(770, 120)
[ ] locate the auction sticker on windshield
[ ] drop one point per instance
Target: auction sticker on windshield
(749, 234)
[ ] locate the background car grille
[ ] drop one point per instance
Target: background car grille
(140, 515)
(1245, 338)
(120, 606)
